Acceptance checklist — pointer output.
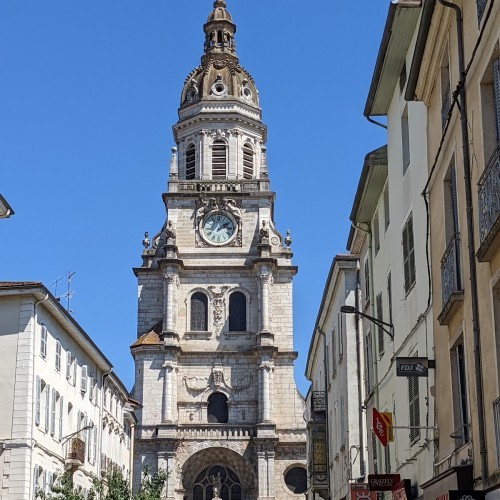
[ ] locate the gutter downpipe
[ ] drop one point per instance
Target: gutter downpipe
(362, 471)
(471, 245)
(35, 317)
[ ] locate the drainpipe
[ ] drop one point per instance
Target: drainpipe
(325, 366)
(470, 237)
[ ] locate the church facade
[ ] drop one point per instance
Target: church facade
(214, 353)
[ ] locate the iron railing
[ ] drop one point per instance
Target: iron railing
(450, 269)
(489, 195)
(481, 5)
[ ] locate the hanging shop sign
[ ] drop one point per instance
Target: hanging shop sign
(402, 490)
(466, 495)
(414, 367)
(383, 482)
(380, 425)
(390, 429)
(361, 491)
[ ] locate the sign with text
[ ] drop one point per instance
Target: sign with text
(361, 491)
(413, 367)
(379, 424)
(390, 429)
(383, 482)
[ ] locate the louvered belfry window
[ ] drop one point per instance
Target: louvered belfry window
(247, 161)
(408, 255)
(237, 312)
(199, 312)
(219, 160)
(190, 162)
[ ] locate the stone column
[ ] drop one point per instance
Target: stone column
(262, 472)
(169, 288)
(270, 473)
(169, 383)
(265, 281)
(266, 369)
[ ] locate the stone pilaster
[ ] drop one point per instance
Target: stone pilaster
(169, 403)
(266, 369)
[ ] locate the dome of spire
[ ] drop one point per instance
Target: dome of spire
(219, 13)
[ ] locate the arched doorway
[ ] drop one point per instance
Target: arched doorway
(229, 482)
(238, 478)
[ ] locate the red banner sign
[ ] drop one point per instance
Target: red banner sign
(379, 426)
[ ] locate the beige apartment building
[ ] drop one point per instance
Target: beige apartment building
(455, 72)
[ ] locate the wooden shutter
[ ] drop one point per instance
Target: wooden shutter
(61, 416)
(53, 412)
(84, 380)
(414, 406)
(38, 400)
(408, 255)
(47, 407)
(68, 364)
(43, 341)
(58, 355)
(380, 330)
(496, 92)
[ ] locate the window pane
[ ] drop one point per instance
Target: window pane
(199, 306)
(237, 312)
(217, 408)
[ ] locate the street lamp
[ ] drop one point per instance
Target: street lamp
(85, 428)
(378, 322)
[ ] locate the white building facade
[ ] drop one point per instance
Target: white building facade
(51, 382)
(214, 356)
(335, 369)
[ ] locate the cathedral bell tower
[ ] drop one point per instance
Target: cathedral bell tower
(214, 354)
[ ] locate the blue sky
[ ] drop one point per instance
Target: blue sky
(88, 95)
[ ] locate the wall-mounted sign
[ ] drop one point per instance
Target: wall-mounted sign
(414, 367)
(402, 490)
(361, 491)
(390, 429)
(383, 482)
(318, 401)
(379, 424)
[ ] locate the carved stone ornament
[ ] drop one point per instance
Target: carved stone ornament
(196, 384)
(170, 234)
(218, 305)
(217, 378)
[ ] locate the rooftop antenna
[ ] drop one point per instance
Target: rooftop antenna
(69, 292)
(56, 282)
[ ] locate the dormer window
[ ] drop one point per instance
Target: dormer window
(247, 161)
(219, 154)
(190, 162)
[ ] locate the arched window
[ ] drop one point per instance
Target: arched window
(237, 312)
(190, 162)
(230, 484)
(247, 161)
(219, 160)
(199, 312)
(217, 408)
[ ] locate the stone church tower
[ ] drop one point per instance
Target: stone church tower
(214, 355)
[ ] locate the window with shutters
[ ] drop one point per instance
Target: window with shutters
(387, 457)
(247, 161)
(46, 401)
(84, 379)
(408, 255)
(37, 470)
(389, 296)
(387, 214)
(340, 324)
(53, 408)
(237, 312)
(199, 312)
(334, 353)
(219, 159)
(414, 407)
(445, 88)
(376, 233)
(58, 356)
(369, 362)
(61, 417)
(374, 453)
(218, 412)
(481, 5)
(405, 139)
(69, 365)
(380, 329)
(38, 400)
(43, 340)
(190, 162)
(459, 393)
(367, 280)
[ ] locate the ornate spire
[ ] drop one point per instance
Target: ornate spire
(219, 31)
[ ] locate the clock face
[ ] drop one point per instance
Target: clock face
(218, 228)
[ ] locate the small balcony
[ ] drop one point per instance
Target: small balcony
(451, 282)
(75, 453)
(488, 193)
